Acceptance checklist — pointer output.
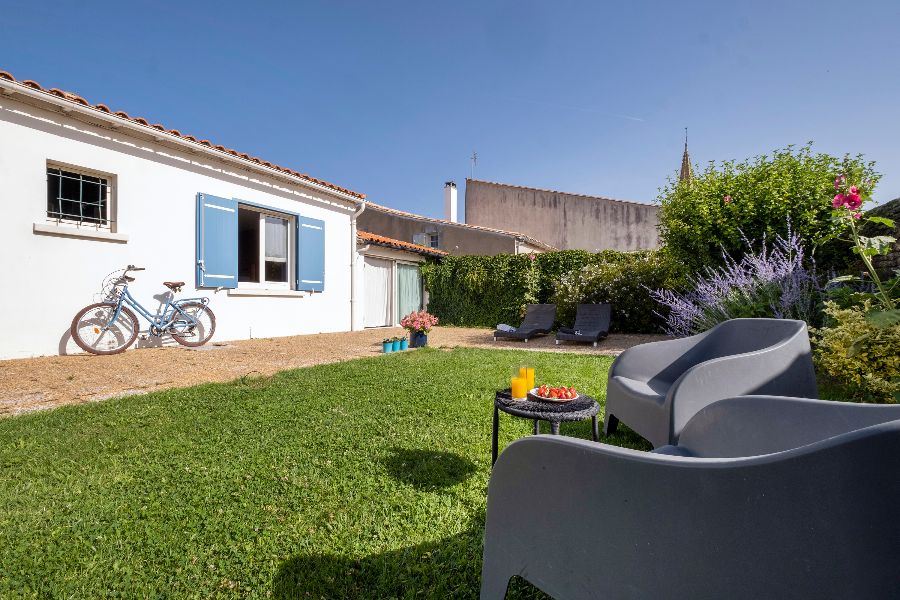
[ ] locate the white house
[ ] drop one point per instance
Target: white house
(88, 191)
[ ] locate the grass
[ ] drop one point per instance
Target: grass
(364, 479)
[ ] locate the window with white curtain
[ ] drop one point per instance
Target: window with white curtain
(264, 242)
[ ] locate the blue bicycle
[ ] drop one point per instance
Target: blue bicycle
(109, 327)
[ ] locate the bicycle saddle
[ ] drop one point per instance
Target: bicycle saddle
(175, 286)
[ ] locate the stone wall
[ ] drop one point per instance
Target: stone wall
(886, 265)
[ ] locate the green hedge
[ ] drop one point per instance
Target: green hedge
(482, 291)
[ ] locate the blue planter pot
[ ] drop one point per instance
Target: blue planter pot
(418, 339)
(387, 347)
(404, 344)
(396, 345)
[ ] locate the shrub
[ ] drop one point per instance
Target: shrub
(772, 282)
(624, 280)
(482, 291)
(755, 198)
(863, 356)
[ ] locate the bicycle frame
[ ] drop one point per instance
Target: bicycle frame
(161, 321)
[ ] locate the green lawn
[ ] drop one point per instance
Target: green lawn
(362, 479)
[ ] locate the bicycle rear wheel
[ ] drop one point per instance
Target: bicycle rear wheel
(95, 332)
(197, 331)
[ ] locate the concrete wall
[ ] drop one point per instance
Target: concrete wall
(566, 221)
(452, 238)
(47, 278)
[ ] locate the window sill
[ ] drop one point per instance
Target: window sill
(78, 232)
(264, 292)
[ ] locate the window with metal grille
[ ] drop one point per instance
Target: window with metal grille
(77, 197)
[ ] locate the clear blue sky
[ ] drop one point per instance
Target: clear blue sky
(391, 98)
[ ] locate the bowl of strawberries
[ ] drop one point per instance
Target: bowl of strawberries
(546, 393)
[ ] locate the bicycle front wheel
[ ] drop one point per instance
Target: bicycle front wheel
(194, 325)
(95, 331)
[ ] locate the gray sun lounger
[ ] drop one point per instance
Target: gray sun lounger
(591, 325)
(656, 388)
(761, 497)
(538, 320)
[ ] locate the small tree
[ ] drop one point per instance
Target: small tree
(760, 197)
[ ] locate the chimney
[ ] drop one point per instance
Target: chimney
(451, 212)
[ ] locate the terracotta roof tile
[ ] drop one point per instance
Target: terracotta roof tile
(401, 213)
(159, 127)
(380, 240)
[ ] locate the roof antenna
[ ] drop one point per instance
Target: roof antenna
(474, 159)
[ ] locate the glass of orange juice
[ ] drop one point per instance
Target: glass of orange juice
(519, 387)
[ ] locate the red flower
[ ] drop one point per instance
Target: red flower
(853, 201)
(839, 201)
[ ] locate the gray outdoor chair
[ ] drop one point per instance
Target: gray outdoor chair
(656, 388)
(762, 497)
(591, 325)
(538, 321)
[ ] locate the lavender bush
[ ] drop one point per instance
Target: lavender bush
(773, 282)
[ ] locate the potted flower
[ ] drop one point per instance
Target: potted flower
(404, 343)
(395, 344)
(419, 323)
(387, 345)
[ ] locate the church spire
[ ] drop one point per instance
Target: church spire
(686, 172)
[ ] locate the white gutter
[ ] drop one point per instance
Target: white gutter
(69, 107)
(355, 312)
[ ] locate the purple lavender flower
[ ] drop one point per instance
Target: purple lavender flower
(773, 282)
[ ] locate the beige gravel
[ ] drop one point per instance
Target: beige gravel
(45, 382)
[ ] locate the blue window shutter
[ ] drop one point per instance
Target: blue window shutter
(310, 254)
(217, 251)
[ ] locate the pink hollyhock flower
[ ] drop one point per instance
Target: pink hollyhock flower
(854, 189)
(727, 199)
(857, 215)
(837, 183)
(853, 201)
(838, 201)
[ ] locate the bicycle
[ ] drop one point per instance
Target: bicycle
(109, 327)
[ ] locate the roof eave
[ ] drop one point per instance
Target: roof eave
(409, 215)
(10, 88)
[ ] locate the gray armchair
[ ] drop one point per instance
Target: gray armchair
(762, 497)
(656, 388)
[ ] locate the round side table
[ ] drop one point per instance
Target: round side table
(581, 408)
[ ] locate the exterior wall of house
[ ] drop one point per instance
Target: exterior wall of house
(397, 257)
(566, 221)
(453, 239)
(47, 278)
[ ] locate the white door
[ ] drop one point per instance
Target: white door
(379, 289)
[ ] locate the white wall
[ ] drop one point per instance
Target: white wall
(396, 257)
(46, 279)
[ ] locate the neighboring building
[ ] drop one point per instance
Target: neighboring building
(89, 191)
(391, 286)
(566, 221)
(447, 234)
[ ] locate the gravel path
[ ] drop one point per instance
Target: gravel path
(45, 382)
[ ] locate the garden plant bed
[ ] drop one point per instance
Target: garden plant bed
(336, 481)
(39, 383)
